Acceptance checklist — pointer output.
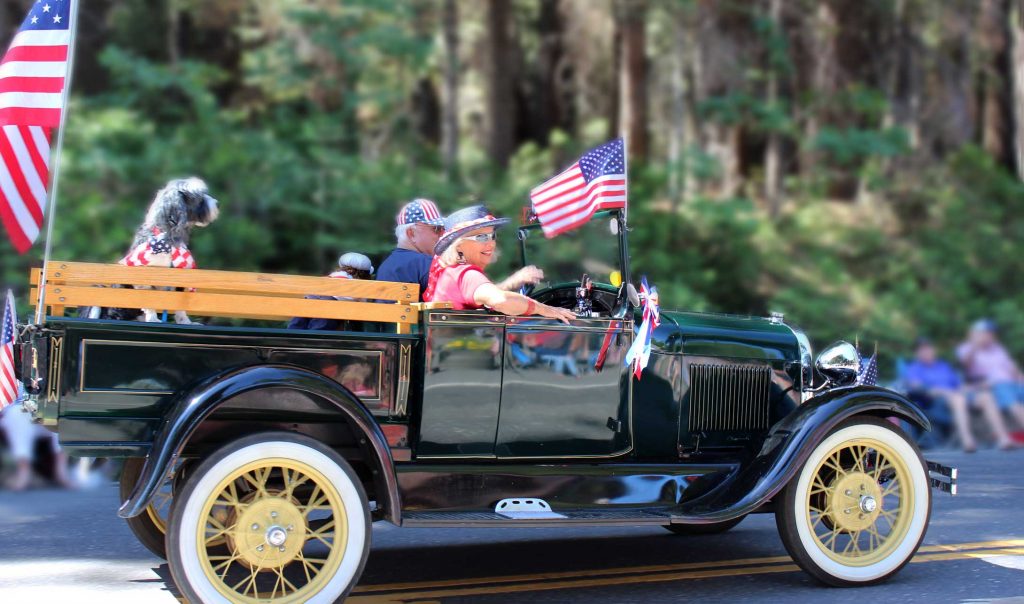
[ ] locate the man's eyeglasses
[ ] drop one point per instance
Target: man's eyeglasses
(438, 230)
(483, 237)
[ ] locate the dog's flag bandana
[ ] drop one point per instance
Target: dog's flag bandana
(146, 253)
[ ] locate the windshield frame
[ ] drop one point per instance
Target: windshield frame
(533, 229)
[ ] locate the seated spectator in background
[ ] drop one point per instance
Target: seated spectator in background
(22, 435)
(988, 365)
(420, 224)
(932, 382)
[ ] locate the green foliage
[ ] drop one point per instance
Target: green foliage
(851, 146)
(314, 150)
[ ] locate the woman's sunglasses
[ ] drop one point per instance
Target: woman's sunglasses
(483, 237)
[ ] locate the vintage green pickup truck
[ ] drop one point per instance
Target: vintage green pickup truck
(257, 457)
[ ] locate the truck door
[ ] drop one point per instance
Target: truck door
(462, 384)
(554, 403)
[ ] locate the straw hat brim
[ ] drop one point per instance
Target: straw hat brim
(448, 238)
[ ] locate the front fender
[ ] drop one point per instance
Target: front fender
(191, 407)
(788, 446)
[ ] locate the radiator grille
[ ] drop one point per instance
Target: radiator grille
(729, 397)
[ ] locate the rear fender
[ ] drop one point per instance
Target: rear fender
(190, 408)
(788, 446)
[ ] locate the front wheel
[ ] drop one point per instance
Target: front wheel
(859, 507)
(274, 517)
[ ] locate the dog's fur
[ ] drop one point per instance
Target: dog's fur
(179, 207)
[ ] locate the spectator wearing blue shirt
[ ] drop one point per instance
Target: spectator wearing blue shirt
(930, 380)
(419, 226)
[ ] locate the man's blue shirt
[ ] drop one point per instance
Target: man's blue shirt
(406, 266)
(938, 374)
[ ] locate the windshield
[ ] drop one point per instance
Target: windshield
(592, 248)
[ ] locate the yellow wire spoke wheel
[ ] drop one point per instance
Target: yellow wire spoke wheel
(859, 507)
(274, 518)
(859, 501)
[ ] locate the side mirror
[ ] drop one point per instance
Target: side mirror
(634, 298)
(840, 363)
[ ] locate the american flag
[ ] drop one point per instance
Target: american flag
(596, 182)
(8, 385)
(32, 76)
(868, 374)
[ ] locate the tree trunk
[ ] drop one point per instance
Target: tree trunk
(678, 135)
(823, 60)
(550, 109)
(633, 77)
(996, 137)
(173, 33)
(772, 162)
(1017, 56)
(615, 91)
(500, 100)
(450, 120)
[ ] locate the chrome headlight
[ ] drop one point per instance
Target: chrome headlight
(840, 363)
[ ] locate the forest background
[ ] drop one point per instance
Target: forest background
(854, 164)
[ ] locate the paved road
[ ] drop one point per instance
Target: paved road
(57, 546)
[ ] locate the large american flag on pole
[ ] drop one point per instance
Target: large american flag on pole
(8, 385)
(32, 78)
(596, 182)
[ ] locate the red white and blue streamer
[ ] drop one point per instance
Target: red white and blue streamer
(640, 352)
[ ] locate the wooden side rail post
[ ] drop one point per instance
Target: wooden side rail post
(227, 293)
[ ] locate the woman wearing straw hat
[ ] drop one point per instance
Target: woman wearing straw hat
(457, 272)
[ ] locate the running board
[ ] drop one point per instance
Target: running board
(631, 517)
(943, 478)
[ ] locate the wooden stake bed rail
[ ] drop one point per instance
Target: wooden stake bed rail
(225, 293)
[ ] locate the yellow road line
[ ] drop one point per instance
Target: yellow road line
(433, 590)
(467, 582)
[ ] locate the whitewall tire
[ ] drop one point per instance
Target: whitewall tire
(274, 517)
(859, 507)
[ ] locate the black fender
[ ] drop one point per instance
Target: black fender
(787, 447)
(191, 407)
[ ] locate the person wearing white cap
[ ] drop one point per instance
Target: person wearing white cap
(419, 225)
(353, 265)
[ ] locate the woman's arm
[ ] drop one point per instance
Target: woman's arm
(528, 275)
(511, 303)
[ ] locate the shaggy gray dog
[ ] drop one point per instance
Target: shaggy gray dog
(162, 239)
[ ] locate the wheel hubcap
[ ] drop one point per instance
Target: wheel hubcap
(849, 500)
(261, 540)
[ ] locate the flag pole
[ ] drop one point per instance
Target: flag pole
(625, 170)
(54, 180)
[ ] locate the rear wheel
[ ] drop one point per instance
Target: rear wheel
(859, 507)
(273, 517)
(704, 529)
(149, 527)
